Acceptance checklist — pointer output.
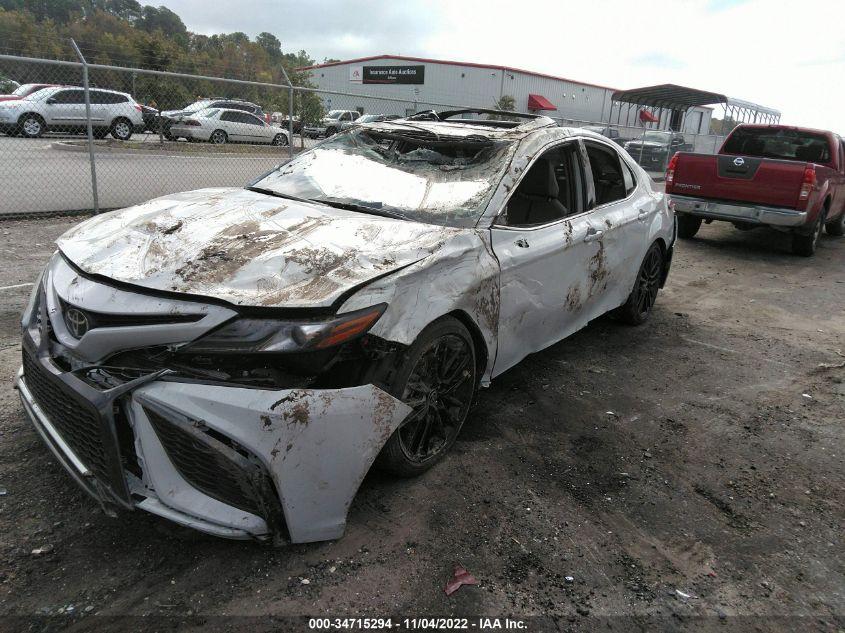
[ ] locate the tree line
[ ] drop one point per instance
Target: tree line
(127, 34)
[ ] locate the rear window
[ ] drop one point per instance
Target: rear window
(779, 144)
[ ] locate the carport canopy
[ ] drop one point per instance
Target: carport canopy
(669, 96)
(680, 99)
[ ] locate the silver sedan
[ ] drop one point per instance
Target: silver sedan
(219, 125)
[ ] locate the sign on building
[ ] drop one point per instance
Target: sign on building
(387, 74)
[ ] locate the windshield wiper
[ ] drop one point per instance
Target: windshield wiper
(360, 207)
(277, 194)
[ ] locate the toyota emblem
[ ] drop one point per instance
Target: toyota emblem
(739, 161)
(76, 322)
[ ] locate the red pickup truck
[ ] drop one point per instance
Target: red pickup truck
(789, 178)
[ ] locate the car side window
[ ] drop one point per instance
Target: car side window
(606, 170)
(229, 116)
(253, 120)
(552, 188)
(69, 96)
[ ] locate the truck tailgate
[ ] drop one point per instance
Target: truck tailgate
(763, 181)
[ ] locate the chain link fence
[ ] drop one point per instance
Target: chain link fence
(83, 137)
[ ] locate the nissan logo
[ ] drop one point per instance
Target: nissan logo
(739, 161)
(76, 322)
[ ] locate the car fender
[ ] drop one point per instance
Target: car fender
(461, 276)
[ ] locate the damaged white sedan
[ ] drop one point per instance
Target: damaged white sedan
(236, 360)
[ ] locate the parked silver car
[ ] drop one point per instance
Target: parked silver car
(219, 125)
(235, 360)
(62, 109)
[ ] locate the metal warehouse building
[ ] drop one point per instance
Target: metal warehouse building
(419, 84)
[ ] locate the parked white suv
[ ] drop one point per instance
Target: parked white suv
(62, 109)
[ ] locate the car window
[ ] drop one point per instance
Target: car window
(230, 116)
(69, 96)
(606, 170)
(98, 97)
(252, 120)
(778, 143)
(551, 189)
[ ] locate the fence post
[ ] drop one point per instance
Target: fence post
(290, 111)
(88, 125)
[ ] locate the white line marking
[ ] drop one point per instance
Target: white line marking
(16, 286)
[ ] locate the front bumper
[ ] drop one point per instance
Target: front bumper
(231, 461)
(752, 214)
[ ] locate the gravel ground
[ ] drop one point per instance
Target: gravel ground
(684, 475)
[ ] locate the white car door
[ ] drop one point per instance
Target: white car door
(65, 109)
(257, 131)
(622, 213)
(561, 255)
(231, 123)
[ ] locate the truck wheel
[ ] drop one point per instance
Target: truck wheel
(688, 225)
(437, 377)
(836, 227)
(805, 245)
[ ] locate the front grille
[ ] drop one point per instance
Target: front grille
(206, 468)
(78, 423)
(103, 320)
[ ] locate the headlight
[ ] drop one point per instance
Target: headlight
(248, 335)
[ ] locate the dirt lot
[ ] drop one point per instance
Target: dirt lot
(699, 455)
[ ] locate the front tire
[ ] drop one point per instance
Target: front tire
(637, 308)
(121, 129)
(437, 377)
(805, 245)
(280, 140)
(688, 226)
(31, 126)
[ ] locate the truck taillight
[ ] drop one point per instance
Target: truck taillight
(809, 182)
(670, 170)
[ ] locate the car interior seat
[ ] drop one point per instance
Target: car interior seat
(535, 201)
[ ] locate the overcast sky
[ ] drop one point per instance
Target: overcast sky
(781, 53)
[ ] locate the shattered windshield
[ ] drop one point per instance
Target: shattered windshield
(408, 172)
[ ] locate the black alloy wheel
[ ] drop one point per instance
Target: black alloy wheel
(644, 295)
(437, 380)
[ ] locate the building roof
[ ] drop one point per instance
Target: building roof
(425, 60)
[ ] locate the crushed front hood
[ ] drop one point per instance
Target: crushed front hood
(247, 248)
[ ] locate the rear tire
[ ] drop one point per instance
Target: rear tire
(437, 377)
(836, 227)
(688, 226)
(637, 308)
(805, 245)
(121, 129)
(218, 137)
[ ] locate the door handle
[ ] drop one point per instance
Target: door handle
(593, 234)
(522, 243)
